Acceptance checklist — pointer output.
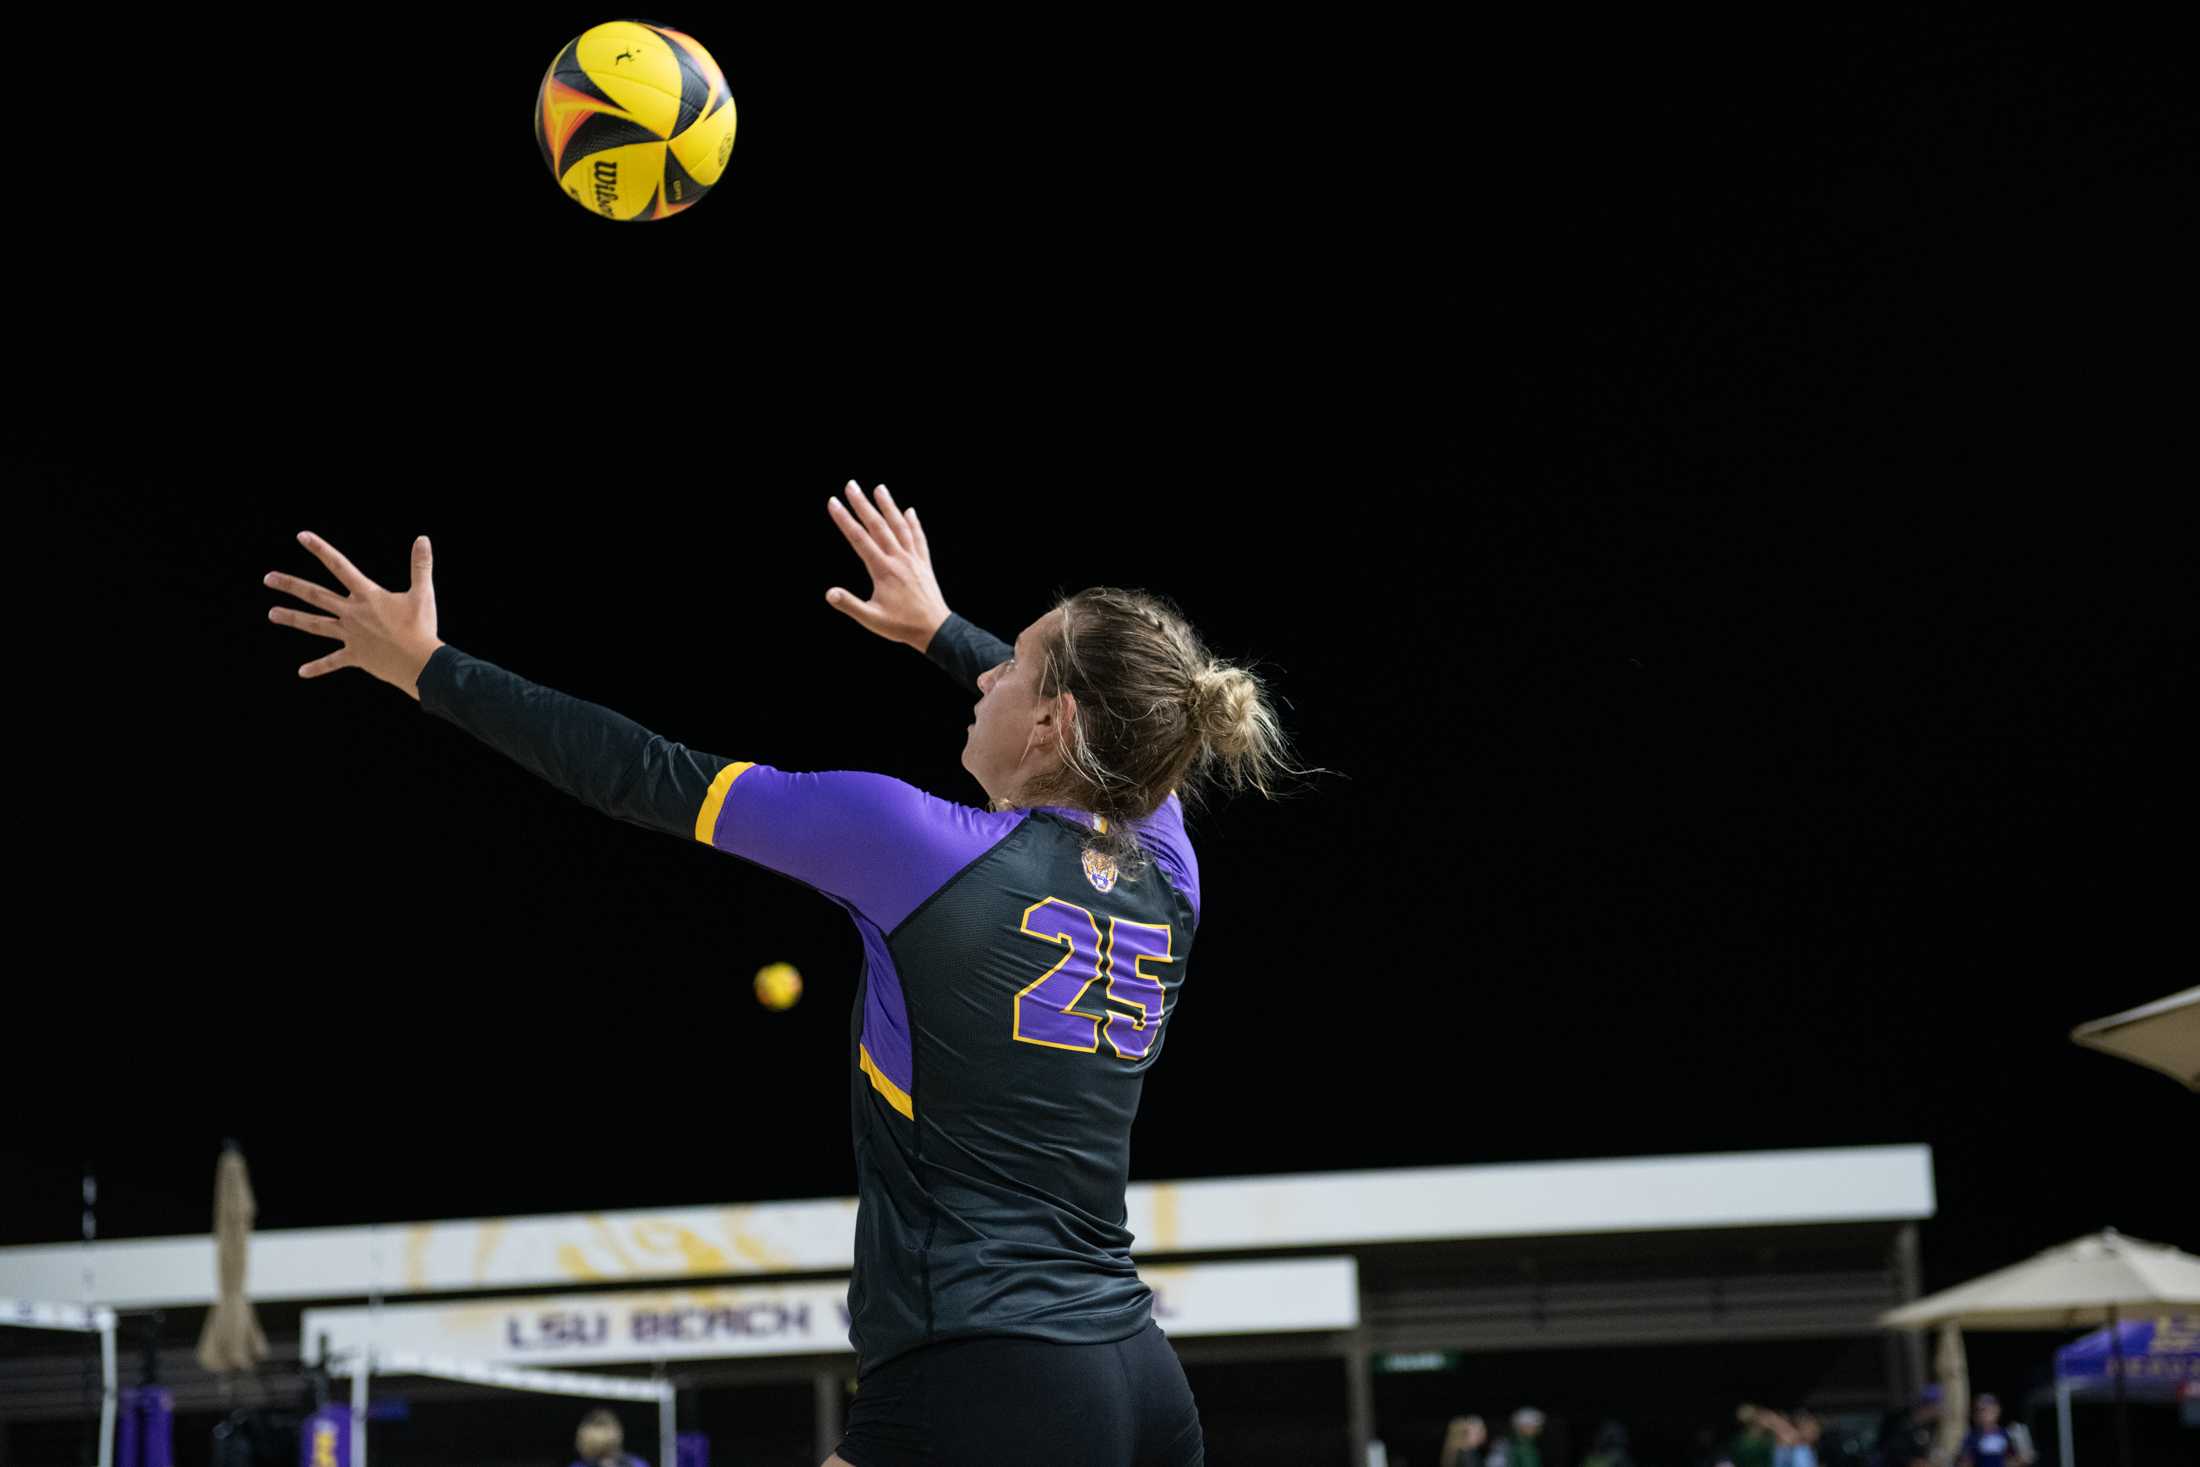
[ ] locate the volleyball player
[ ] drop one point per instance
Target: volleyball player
(1021, 960)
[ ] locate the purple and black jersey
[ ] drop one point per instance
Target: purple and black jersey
(1016, 986)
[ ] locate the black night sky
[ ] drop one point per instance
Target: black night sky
(1718, 503)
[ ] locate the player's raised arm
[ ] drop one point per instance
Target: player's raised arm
(905, 605)
(601, 758)
(832, 831)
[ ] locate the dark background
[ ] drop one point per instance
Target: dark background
(1717, 502)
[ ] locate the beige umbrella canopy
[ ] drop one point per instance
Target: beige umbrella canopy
(2073, 1286)
(2163, 1035)
(2081, 1283)
(232, 1339)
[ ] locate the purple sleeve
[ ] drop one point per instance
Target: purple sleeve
(877, 844)
(1162, 834)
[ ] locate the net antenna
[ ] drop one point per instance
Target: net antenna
(504, 1377)
(95, 1319)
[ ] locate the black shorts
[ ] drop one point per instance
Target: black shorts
(999, 1402)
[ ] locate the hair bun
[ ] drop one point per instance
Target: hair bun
(1226, 706)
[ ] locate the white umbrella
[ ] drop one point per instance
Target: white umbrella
(2163, 1035)
(2074, 1286)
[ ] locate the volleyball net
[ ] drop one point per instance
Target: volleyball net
(362, 1366)
(32, 1314)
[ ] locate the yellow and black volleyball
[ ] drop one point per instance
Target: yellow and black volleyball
(635, 120)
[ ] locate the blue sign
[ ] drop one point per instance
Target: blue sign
(2159, 1352)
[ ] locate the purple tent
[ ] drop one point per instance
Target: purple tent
(2153, 1359)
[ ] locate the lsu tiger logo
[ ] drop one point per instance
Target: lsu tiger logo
(1100, 871)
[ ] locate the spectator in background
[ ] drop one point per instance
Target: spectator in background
(1610, 1448)
(1906, 1437)
(1463, 1442)
(1988, 1444)
(1753, 1443)
(600, 1443)
(1794, 1438)
(1519, 1448)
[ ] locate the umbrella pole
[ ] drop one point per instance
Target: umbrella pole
(2116, 1358)
(2069, 1456)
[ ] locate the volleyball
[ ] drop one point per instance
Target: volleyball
(778, 985)
(634, 120)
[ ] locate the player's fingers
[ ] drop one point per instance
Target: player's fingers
(872, 519)
(423, 566)
(305, 591)
(895, 519)
(338, 566)
(916, 529)
(341, 657)
(874, 554)
(863, 612)
(320, 626)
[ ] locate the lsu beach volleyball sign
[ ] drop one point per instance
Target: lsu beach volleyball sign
(794, 1319)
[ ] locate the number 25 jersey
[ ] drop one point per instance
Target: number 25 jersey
(1016, 986)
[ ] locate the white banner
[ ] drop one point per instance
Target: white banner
(794, 1319)
(1220, 1215)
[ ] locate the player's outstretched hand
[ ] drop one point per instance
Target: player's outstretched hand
(905, 605)
(390, 634)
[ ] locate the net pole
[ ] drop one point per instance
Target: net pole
(667, 1429)
(361, 1369)
(366, 1355)
(107, 1396)
(91, 1293)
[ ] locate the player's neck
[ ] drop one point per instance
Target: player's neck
(1039, 802)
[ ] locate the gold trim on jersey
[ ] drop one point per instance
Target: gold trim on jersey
(706, 819)
(896, 1097)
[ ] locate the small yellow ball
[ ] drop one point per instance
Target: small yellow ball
(778, 985)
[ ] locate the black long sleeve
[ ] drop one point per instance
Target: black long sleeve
(966, 650)
(603, 759)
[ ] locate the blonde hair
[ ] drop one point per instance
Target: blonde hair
(599, 1437)
(1157, 713)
